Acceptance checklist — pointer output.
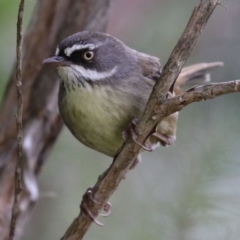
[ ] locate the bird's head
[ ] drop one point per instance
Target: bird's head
(93, 56)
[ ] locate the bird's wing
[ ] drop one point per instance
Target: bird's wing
(150, 68)
(196, 74)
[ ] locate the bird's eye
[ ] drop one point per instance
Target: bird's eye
(88, 55)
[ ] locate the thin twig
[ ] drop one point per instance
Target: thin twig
(17, 192)
(196, 94)
(111, 178)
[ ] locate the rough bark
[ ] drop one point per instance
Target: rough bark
(51, 21)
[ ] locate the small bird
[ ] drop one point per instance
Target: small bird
(104, 85)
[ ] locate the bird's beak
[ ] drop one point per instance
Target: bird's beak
(56, 61)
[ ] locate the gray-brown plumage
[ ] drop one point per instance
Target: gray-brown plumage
(104, 85)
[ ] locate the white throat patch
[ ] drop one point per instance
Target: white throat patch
(76, 72)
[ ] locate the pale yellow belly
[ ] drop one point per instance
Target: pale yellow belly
(94, 119)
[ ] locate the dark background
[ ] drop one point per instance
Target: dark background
(190, 190)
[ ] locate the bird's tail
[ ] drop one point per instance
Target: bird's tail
(196, 74)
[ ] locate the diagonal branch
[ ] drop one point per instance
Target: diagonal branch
(111, 178)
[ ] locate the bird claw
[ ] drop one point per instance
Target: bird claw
(107, 208)
(165, 141)
(84, 206)
(130, 131)
(170, 95)
(134, 137)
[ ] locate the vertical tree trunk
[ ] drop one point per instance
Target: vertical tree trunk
(52, 21)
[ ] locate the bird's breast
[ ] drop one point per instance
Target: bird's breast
(96, 116)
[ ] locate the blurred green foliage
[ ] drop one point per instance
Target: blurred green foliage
(188, 191)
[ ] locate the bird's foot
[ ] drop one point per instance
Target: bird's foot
(86, 212)
(165, 141)
(131, 132)
(170, 95)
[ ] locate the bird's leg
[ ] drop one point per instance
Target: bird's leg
(170, 95)
(165, 141)
(131, 131)
(84, 206)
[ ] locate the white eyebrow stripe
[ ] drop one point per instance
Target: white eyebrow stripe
(93, 75)
(68, 51)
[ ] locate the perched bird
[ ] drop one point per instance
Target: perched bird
(104, 85)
